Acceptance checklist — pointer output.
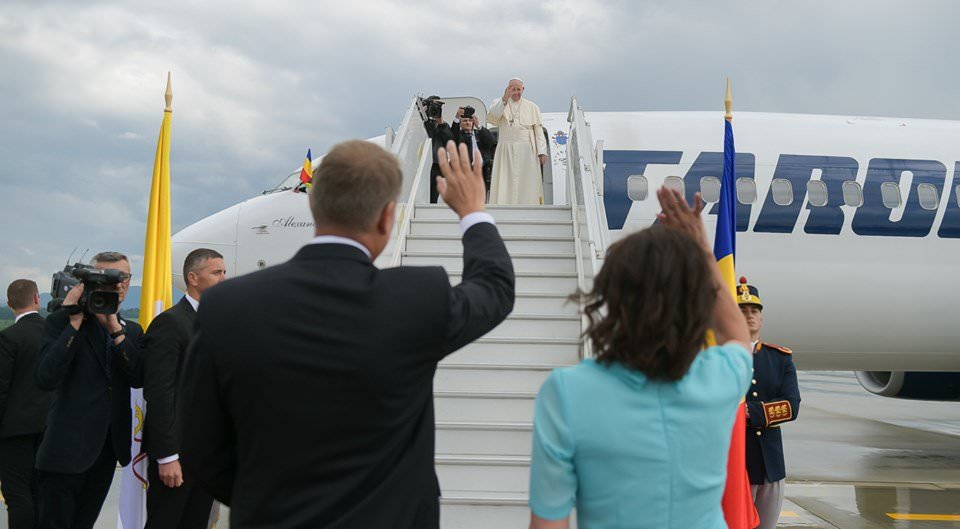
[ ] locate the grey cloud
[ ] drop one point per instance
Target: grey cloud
(256, 85)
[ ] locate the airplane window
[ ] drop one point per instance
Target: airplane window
(817, 193)
(890, 193)
(852, 194)
(710, 188)
(746, 190)
(674, 182)
(637, 187)
(956, 191)
(928, 197)
(782, 192)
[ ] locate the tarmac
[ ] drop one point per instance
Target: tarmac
(854, 461)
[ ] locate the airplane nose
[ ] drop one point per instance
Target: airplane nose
(216, 232)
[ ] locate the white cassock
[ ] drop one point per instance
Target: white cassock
(516, 169)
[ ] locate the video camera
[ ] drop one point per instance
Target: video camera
(430, 108)
(95, 299)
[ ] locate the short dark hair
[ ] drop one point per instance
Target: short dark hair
(651, 303)
(20, 293)
(353, 183)
(196, 258)
(109, 257)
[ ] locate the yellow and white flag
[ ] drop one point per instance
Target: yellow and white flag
(156, 296)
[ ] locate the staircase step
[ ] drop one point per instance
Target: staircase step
(555, 282)
(463, 406)
(451, 227)
(500, 213)
(538, 326)
(490, 377)
(485, 510)
(484, 473)
(453, 261)
(562, 246)
(480, 438)
(540, 350)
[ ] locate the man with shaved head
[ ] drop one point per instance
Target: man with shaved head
(521, 148)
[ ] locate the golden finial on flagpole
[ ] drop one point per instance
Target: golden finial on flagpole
(168, 95)
(728, 101)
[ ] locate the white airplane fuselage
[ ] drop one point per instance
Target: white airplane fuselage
(867, 288)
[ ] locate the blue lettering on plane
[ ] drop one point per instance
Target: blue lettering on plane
(870, 219)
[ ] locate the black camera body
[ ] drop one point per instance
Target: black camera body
(95, 299)
(432, 107)
(468, 112)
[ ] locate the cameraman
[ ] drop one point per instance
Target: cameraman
(467, 129)
(440, 133)
(91, 361)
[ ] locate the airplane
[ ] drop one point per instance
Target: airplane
(847, 225)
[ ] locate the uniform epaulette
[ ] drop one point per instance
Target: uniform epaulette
(782, 349)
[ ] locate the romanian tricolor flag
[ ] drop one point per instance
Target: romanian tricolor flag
(306, 173)
(738, 507)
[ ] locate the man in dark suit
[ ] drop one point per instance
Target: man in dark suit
(439, 133)
(773, 399)
(23, 406)
(466, 129)
(173, 501)
(311, 382)
(90, 362)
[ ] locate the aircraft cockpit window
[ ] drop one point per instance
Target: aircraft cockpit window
(637, 187)
(674, 182)
(817, 193)
(852, 194)
(782, 191)
(928, 197)
(746, 190)
(890, 193)
(710, 188)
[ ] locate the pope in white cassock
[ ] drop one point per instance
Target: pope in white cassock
(521, 148)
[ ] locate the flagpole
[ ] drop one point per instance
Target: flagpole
(728, 102)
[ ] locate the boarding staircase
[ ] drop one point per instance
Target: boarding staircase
(484, 394)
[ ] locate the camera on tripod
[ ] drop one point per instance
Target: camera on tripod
(95, 298)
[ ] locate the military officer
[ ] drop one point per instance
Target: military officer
(773, 399)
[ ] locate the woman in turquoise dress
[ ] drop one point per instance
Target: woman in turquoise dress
(637, 437)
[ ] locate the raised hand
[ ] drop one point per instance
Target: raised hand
(677, 214)
(461, 186)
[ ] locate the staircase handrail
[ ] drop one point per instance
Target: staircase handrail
(588, 178)
(407, 207)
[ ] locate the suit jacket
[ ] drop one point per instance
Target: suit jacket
(439, 135)
(485, 143)
(311, 384)
(23, 406)
(773, 399)
(164, 346)
(92, 382)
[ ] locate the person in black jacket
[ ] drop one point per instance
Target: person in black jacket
(172, 500)
(308, 388)
(23, 406)
(466, 128)
(773, 399)
(90, 362)
(439, 133)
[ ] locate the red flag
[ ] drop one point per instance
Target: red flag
(738, 507)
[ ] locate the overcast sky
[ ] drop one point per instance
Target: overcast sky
(256, 85)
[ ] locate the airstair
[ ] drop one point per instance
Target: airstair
(484, 394)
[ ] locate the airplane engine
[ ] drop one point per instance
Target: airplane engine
(919, 385)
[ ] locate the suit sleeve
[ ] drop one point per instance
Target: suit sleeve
(208, 445)
(57, 349)
(484, 138)
(8, 361)
(162, 344)
(129, 354)
(485, 296)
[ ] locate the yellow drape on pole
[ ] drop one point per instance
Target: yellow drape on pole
(156, 296)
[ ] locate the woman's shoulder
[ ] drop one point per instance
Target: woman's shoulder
(731, 357)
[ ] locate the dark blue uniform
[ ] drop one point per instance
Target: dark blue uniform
(773, 399)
